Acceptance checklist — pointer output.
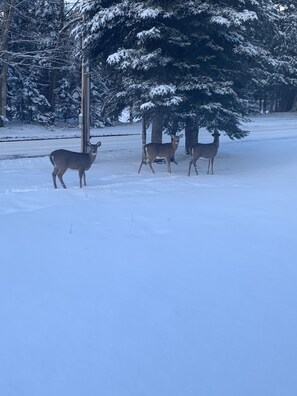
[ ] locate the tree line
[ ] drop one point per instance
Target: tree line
(175, 64)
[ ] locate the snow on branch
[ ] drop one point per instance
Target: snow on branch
(247, 49)
(120, 56)
(220, 20)
(151, 33)
(230, 17)
(104, 17)
(147, 106)
(146, 13)
(244, 16)
(174, 101)
(136, 60)
(162, 90)
(223, 88)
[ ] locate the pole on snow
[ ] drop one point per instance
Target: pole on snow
(85, 107)
(84, 117)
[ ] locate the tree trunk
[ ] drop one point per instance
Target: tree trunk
(191, 133)
(157, 128)
(143, 131)
(53, 76)
(286, 100)
(265, 103)
(294, 106)
(7, 18)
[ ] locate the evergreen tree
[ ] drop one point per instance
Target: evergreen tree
(182, 60)
(175, 63)
(280, 92)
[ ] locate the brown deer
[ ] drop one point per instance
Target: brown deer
(65, 159)
(160, 150)
(205, 150)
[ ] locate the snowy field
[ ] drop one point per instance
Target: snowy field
(151, 285)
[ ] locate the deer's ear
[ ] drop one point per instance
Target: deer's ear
(180, 136)
(98, 144)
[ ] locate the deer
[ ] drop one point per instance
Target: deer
(65, 159)
(205, 150)
(160, 150)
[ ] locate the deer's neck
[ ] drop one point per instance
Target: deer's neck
(92, 157)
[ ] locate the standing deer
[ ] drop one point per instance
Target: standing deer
(208, 150)
(160, 150)
(65, 159)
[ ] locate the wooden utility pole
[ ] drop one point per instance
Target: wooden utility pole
(85, 97)
(85, 106)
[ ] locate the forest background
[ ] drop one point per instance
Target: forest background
(174, 64)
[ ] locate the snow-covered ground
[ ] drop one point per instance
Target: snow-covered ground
(152, 285)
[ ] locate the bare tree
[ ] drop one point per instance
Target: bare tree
(8, 10)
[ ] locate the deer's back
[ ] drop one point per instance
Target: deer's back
(161, 150)
(206, 150)
(70, 159)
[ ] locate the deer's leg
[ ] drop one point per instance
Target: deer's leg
(195, 166)
(172, 159)
(168, 164)
(60, 174)
(190, 165)
(82, 175)
(192, 162)
(210, 165)
(150, 164)
(142, 162)
(54, 174)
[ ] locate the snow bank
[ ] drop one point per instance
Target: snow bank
(152, 284)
